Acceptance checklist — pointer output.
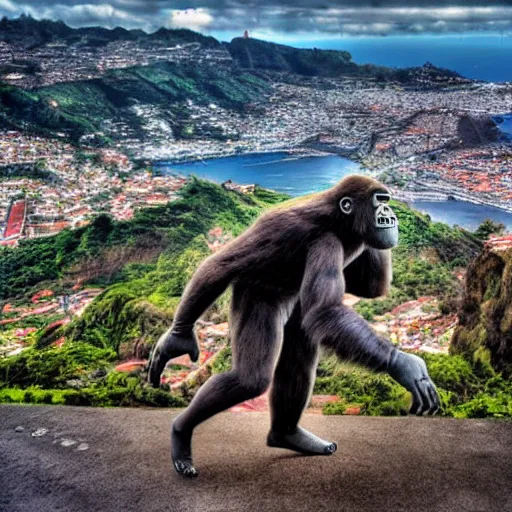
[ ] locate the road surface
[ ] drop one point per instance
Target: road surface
(82, 459)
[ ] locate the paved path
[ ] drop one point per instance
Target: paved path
(118, 460)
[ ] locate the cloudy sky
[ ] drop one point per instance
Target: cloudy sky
(279, 19)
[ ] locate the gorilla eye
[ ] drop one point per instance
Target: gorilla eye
(379, 198)
(347, 205)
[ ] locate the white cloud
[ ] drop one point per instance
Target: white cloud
(194, 19)
(8, 6)
(324, 18)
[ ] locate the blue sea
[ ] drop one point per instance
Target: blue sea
(296, 177)
(276, 171)
(504, 124)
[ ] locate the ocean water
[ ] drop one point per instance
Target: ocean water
(296, 177)
(466, 215)
(276, 171)
(481, 57)
(506, 125)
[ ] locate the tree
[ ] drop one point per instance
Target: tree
(489, 227)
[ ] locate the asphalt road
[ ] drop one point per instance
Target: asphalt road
(118, 460)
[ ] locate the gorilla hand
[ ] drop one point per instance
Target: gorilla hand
(411, 372)
(169, 346)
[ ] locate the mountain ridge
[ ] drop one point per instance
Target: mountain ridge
(51, 97)
(246, 52)
(31, 31)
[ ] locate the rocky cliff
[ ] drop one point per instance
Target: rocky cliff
(484, 334)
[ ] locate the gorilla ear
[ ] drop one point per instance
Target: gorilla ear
(347, 205)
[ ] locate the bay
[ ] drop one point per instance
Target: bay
(286, 173)
(277, 171)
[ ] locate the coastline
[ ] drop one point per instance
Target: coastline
(430, 195)
(298, 151)
(434, 197)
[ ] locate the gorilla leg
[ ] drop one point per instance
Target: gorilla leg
(256, 338)
(291, 390)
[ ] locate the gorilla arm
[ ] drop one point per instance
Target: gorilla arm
(209, 281)
(330, 323)
(326, 319)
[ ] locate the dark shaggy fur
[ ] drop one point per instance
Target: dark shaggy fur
(300, 257)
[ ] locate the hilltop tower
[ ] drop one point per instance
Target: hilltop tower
(246, 34)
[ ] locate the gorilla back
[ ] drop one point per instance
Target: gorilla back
(289, 272)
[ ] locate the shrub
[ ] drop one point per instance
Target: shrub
(99, 395)
(223, 361)
(334, 408)
(463, 391)
(53, 366)
(485, 406)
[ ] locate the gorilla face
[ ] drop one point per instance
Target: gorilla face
(385, 232)
(381, 229)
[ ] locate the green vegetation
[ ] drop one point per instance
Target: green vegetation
(489, 227)
(453, 246)
(140, 298)
(465, 391)
(53, 366)
(79, 108)
(75, 374)
(423, 262)
(99, 395)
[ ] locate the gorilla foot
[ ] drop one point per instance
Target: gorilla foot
(301, 441)
(182, 453)
(166, 348)
(186, 468)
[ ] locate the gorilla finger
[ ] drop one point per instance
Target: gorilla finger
(417, 402)
(427, 388)
(431, 400)
(425, 399)
(156, 367)
(434, 396)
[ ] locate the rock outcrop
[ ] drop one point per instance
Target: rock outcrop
(484, 333)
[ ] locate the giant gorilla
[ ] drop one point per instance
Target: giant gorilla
(288, 273)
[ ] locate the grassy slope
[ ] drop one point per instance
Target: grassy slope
(142, 297)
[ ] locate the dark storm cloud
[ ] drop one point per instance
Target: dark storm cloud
(315, 17)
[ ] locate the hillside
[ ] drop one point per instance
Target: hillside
(103, 83)
(81, 108)
(257, 54)
(142, 266)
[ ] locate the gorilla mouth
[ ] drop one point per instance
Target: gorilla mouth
(385, 217)
(386, 222)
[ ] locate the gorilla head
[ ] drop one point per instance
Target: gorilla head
(366, 209)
